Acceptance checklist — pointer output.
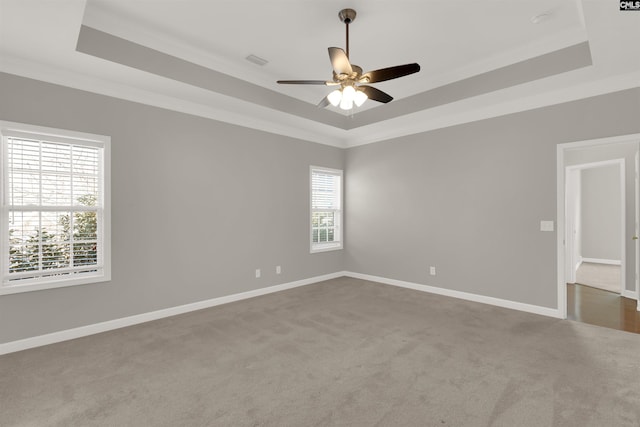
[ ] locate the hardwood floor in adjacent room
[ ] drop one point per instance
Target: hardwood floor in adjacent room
(597, 307)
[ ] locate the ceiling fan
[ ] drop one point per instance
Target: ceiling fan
(351, 79)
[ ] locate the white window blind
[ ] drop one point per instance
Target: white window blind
(326, 209)
(54, 210)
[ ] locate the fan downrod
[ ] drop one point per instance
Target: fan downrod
(347, 16)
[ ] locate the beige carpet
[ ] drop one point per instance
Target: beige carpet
(601, 276)
(340, 353)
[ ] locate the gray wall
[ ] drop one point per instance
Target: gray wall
(197, 206)
(626, 151)
(466, 199)
(469, 199)
(601, 213)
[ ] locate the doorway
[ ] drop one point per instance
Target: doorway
(595, 217)
(591, 151)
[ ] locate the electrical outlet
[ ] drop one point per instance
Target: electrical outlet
(257, 273)
(432, 271)
(278, 269)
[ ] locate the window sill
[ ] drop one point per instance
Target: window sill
(326, 247)
(30, 287)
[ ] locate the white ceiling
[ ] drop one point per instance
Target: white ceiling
(451, 40)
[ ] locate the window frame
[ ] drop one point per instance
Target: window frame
(338, 230)
(41, 133)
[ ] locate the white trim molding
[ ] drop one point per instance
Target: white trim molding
(83, 331)
(561, 212)
(514, 305)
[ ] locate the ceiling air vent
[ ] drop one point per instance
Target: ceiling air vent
(256, 60)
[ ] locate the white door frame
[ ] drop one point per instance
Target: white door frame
(637, 227)
(571, 261)
(561, 209)
(573, 192)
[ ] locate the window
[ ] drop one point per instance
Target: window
(55, 214)
(326, 209)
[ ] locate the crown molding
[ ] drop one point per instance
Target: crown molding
(537, 94)
(219, 107)
(543, 93)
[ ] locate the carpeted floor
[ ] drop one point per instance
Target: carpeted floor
(345, 352)
(601, 276)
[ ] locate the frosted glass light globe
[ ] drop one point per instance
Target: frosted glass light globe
(335, 97)
(359, 98)
(348, 95)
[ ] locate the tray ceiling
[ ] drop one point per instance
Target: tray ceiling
(479, 58)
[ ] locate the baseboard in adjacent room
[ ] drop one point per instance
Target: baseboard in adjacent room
(529, 308)
(602, 261)
(83, 331)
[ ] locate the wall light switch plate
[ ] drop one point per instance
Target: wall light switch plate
(546, 225)
(257, 273)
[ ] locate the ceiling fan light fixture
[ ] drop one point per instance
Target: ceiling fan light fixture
(350, 78)
(335, 97)
(359, 98)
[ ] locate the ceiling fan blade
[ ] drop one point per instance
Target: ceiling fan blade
(325, 102)
(384, 74)
(305, 82)
(376, 94)
(339, 61)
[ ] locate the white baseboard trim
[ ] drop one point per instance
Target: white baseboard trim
(544, 311)
(83, 331)
(629, 294)
(602, 261)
